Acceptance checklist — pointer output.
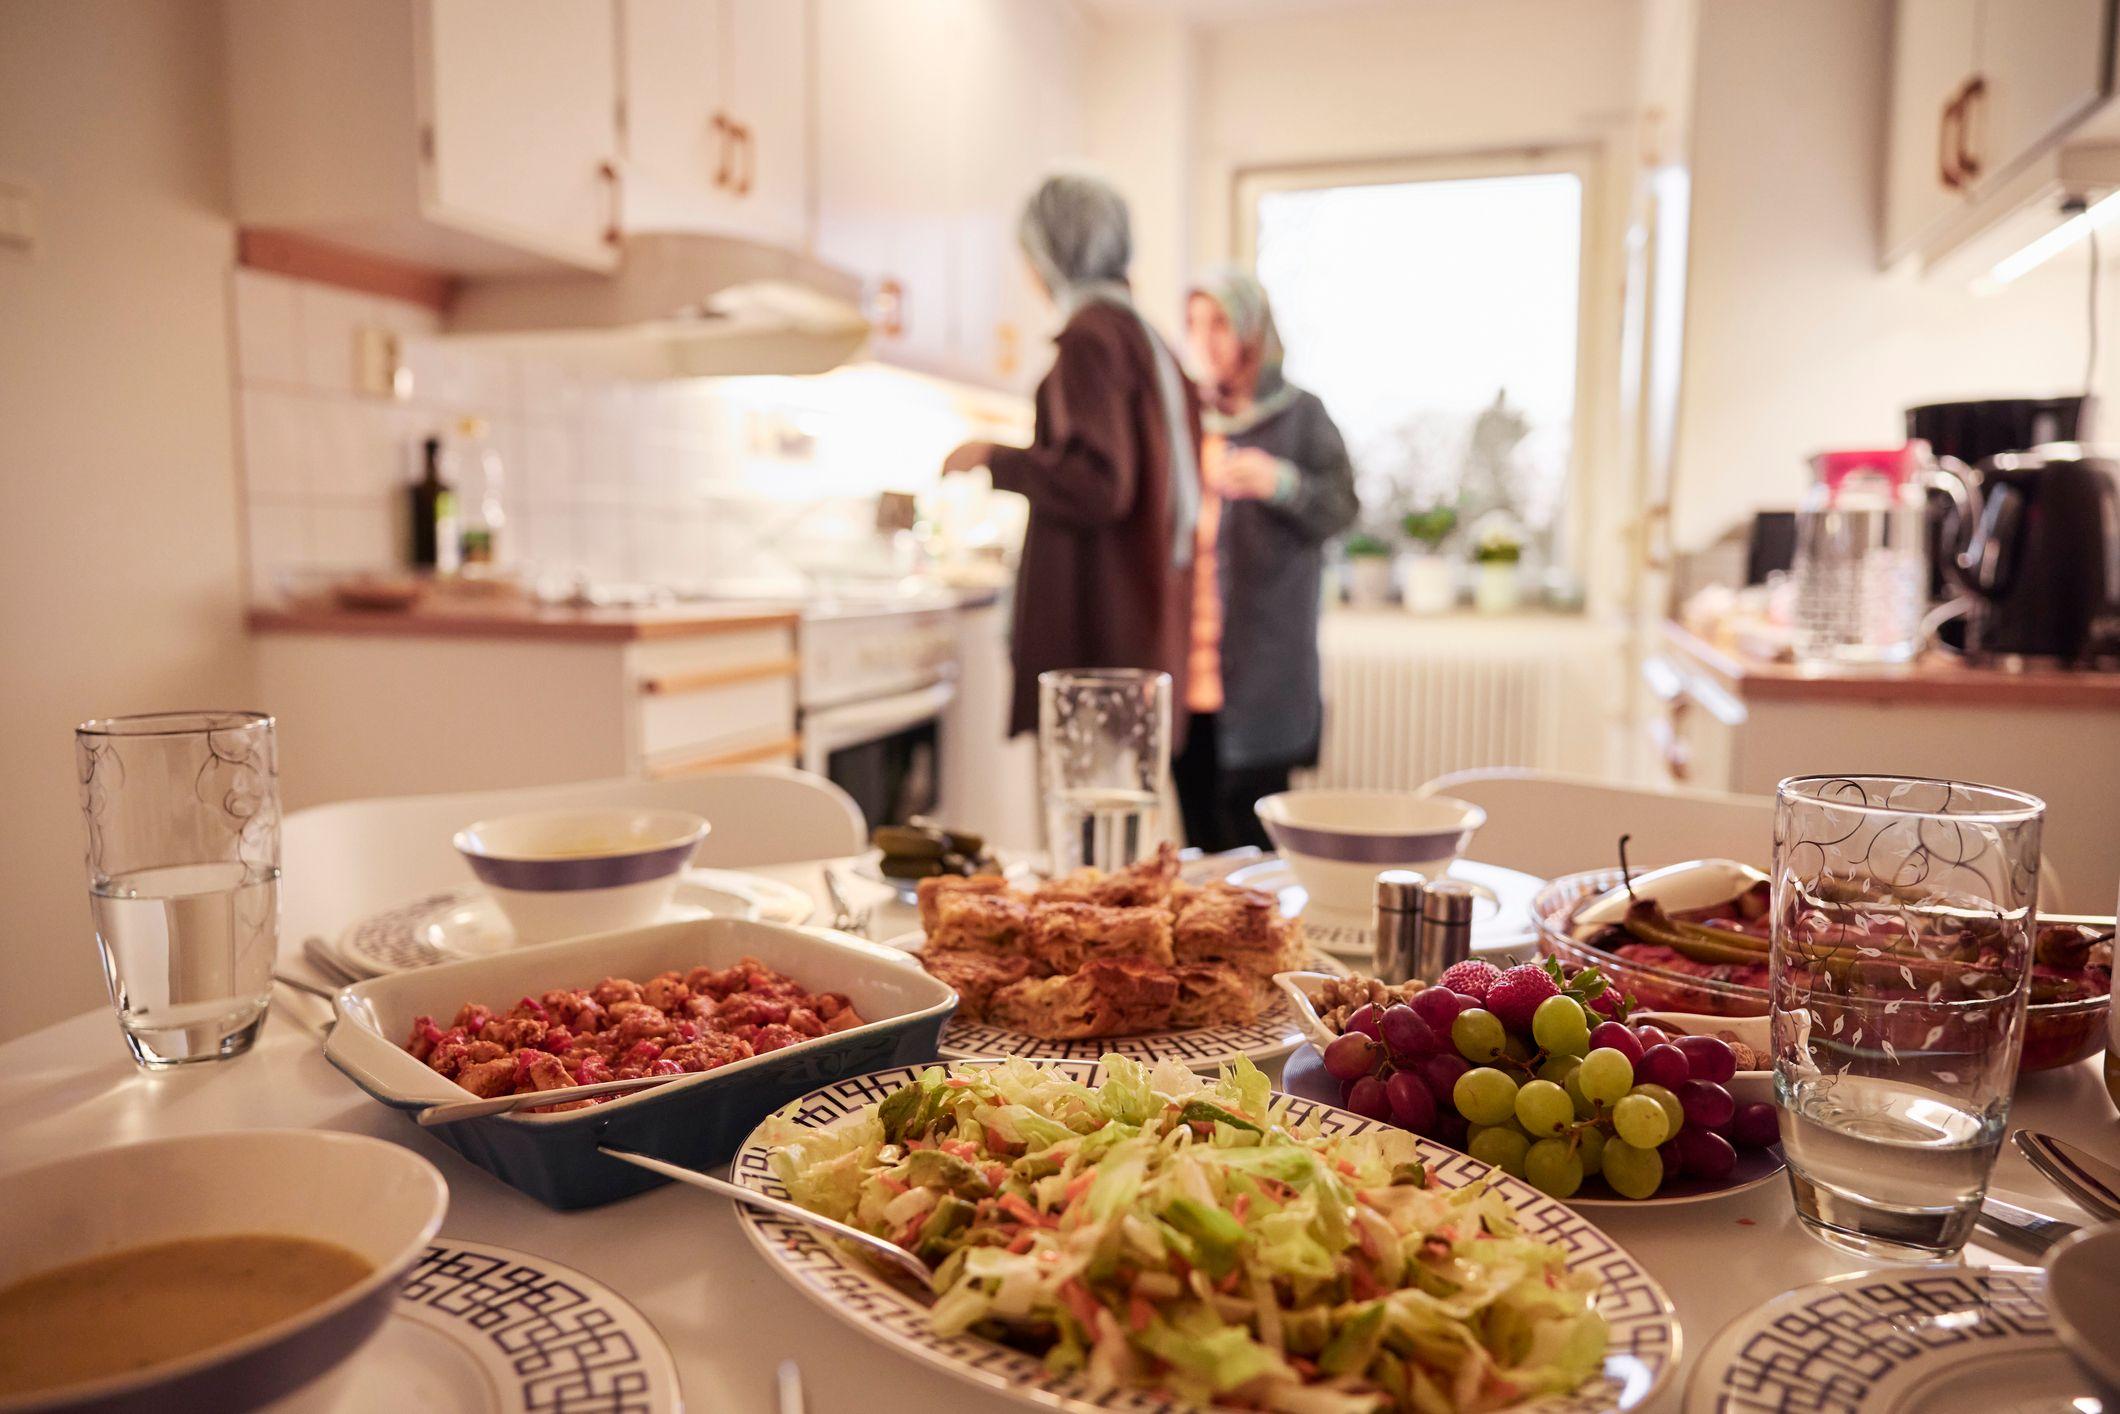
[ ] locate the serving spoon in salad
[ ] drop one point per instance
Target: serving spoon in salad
(868, 1242)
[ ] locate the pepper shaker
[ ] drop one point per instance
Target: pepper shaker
(1398, 923)
(1422, 928)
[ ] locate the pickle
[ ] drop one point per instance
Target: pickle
(969, 845)
(910, 842)
(901, 866)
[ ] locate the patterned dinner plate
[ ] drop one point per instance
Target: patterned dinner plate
(1921, 1340)
(1644, 1330)
(1275, 1032)
(479, 1329)
(453, 924)
(1499, 931)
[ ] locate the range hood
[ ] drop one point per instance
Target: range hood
(679, 305)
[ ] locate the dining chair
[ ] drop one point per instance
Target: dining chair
(1549, 824)
(347, 859)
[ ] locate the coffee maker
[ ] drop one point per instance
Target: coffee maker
(2039, 559)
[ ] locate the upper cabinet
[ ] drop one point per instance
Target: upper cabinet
(894, 139)
(473, 135)
(1980, 90)
(934, 121)
(715, 126)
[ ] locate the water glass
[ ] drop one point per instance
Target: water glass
(1902, 951)
(1104, 763)
(183, 815)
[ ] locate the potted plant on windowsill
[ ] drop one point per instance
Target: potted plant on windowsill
(1497, 589)
(1431, 579)
(1368, 571)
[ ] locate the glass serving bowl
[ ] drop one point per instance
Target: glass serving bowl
(2055, 1033)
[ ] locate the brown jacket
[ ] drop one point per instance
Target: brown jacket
(1096, 588)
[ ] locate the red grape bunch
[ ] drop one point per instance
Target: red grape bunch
(1510, 1067)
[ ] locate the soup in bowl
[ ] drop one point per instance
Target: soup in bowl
(1337, 841)
(213, 1272)
(568, 873)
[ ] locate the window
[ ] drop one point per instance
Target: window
(1435, 310)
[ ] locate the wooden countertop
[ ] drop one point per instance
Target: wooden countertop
(471, 618)
(1935, 679)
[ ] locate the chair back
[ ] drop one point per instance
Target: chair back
(343, 861)
(1549, 824)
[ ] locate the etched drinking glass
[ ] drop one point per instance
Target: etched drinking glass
(1104, 762)
(1902, 952)
(183, 816)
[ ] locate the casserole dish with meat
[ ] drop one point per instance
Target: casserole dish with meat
(394, 1039)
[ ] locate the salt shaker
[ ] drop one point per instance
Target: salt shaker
(1422, 928)
(1398, 923)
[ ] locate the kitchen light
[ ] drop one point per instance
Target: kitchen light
(2034, 254)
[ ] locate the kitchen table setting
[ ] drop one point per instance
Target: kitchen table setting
(776, 1029)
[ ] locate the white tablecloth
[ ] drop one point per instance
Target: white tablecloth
(730, 1319)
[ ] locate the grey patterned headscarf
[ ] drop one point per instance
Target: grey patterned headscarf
(1077, 236)
(1244, 303)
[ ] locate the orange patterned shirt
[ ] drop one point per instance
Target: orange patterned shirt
(1203, 691)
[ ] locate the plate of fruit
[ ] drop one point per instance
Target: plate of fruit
(1546, 1073)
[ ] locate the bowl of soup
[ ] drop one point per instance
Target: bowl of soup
(213, 1272)
(568, 873)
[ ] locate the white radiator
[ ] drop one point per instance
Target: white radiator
(1409, 699)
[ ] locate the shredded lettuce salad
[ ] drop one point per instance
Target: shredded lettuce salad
(1160, 1231)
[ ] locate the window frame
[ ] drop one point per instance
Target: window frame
(1596, 321)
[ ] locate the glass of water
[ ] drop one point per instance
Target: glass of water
(1104, 759)
(183, 815)
(1902, 954)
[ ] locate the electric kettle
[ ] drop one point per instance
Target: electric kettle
(2041, 556)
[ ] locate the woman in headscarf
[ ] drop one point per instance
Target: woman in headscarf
(1112, 472)
(1278, 485)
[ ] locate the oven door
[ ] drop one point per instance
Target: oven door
(886, 752)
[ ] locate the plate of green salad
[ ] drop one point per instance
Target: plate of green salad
(1116, 1236)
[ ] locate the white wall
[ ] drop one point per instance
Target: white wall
(1397, 80)
(1138, 120)
(119, 582)
(1795, 340)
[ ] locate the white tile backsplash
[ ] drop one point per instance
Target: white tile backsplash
(614, 480)
(268, 338)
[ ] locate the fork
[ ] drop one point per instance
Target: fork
(844, 917)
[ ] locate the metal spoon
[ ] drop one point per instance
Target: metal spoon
(867, 1241)
(450, 1111)
(2094, 1184)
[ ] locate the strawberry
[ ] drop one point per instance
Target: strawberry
(1471, 977)
(1516, 994)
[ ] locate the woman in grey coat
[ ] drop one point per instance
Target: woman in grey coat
(1277, 484)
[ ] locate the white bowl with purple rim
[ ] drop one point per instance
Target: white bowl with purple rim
(378, 1200)
(566, 873)
(1336, 842)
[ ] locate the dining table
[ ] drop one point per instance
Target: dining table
(730, 1319)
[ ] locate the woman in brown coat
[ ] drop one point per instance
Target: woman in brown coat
(1112, 472)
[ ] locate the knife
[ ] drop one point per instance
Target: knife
(2034, 1230)
(2092, 1182)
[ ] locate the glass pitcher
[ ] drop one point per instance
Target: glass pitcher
(1862, 559)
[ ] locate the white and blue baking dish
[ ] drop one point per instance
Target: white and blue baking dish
(700, 1123)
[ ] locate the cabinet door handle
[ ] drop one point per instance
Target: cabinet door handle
(614, 231)
(725, 150)
(746, 144)
(889, 312)
(1975, 98)
(1949, 140)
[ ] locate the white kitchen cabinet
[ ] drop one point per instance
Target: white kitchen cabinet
(1980, 89)
(435, 702)
(934, 122)
(1723, 721)
(716, 129)
(473, 135)
(2041, 69)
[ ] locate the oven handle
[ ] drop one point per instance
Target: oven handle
(835, 728)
